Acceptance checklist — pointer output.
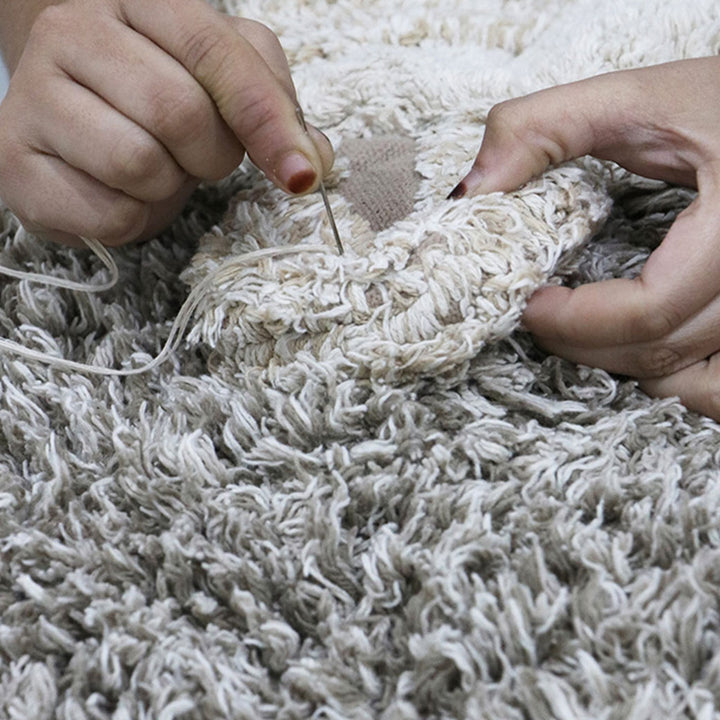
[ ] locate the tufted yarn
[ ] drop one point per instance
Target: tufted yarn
(421, 298)
(356, 491)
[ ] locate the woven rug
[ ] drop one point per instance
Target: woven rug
(356, 490)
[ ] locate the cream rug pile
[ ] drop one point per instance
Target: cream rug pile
(355, 490)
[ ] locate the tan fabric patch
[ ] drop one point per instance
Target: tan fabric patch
(382, 182)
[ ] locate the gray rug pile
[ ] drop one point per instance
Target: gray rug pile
(356, 490)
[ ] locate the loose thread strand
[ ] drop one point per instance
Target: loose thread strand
(223, 273)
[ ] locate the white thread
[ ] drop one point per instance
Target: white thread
(179, 324)
(99, 250)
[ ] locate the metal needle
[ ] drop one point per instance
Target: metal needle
(323, 192)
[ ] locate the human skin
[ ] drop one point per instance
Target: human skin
(117, 109)
(662, 327)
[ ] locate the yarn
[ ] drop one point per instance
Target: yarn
(229, 268)
(418, 299)
(97, 248)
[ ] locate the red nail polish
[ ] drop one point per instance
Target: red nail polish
(296, 173)
(458, 191)
(301, 181)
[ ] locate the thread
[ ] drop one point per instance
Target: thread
(97, 248)
(223, 273)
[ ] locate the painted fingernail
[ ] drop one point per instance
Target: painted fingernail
(458, 191)
(296, 173)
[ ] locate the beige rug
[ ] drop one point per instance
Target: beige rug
(356, 491)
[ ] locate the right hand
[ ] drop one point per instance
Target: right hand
(663, 326)
(117, 109)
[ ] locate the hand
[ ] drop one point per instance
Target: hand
(661, 122)
(118, 108)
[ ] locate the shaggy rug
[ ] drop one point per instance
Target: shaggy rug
(355, 490)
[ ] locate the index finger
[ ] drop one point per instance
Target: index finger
(252, 100)
(622, 116)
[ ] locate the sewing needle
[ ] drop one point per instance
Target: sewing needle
(323, 192)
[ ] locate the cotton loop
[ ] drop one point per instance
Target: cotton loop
(224, 272)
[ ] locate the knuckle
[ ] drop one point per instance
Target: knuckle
(520, 121)
(657, 324)
(221, 166)
(49, 22)
(202, 48)
(256, 114)
(653, 314)
(51, 27)
(180, 115)
(266, 44)
(507, 117)
(131, 163)
(659, 361)
(123, 222)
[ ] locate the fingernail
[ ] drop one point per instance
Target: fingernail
(470, 185)
(458, 191)
(296, 173)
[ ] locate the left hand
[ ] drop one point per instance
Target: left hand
(117, 109)
(661, 122)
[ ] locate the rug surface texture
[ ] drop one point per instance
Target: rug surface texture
(356, 490)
